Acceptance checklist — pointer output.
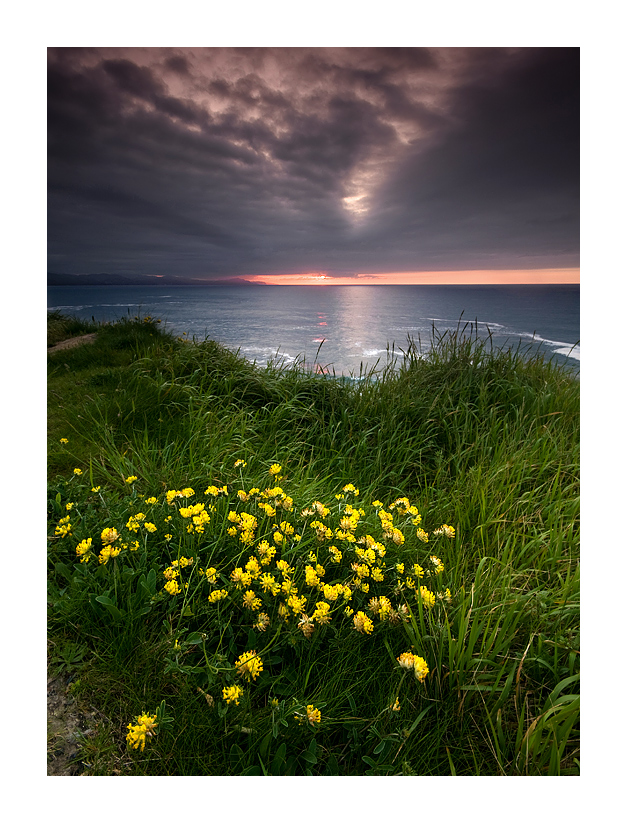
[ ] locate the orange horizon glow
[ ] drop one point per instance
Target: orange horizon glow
(439, 278)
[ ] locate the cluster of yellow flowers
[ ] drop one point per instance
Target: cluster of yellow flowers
(411, 662)
(249, 665)
(311, 715)
(138, 732)
(342, 563)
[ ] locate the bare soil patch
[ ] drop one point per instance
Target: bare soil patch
(67, 725)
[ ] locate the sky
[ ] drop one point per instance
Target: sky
(315, 165)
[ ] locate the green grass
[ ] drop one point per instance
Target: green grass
(481, 439)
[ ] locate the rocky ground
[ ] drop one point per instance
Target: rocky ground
(67, 725)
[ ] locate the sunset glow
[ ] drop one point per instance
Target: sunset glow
(436, 278)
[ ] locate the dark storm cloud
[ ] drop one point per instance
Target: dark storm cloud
(210, 162)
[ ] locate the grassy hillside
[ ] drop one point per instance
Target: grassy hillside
(291, 574)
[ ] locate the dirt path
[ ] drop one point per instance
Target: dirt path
(71, 342)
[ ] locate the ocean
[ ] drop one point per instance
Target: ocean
(342, 329)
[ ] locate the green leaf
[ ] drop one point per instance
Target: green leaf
(236, 754)
(309, 757)
(264, 744)
(152, 581)
(110, 606)
(62, 570)
(278, 761)
(417, 720)
(333, 767)
(383, 746)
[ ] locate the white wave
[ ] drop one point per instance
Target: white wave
(539, 339)
(266, 352)
(569, 351)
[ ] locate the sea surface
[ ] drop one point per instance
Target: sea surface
(341, 329)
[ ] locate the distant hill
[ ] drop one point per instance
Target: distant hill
(103, 279)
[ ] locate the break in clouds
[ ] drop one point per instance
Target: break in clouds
(218, 162)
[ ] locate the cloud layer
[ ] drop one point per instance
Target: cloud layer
(219, 162)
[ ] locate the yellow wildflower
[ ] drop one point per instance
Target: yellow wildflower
(263, 621)
(269, 583)
(109, 535)
(266, 552)
(83, 550)
(428, 598)
(437, 563)
(253, 567)
(131, 479)
(145, 726)
(406, 660)
(421, 670)
(363, 623)
(398, 537)
(218, 594)
(306, 625)
(321, 613)
(251, 601)
(311, 578)
(284, 567)
(106, 553)
(320, 509)
(172, 587)
(448, 531)
(232, 694)
(311, 716)
(249, 665)
(336, 554)
(418, 570)
(64, 528)
(296, 604)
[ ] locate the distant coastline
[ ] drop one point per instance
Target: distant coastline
(169, 281)
(104, 279)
